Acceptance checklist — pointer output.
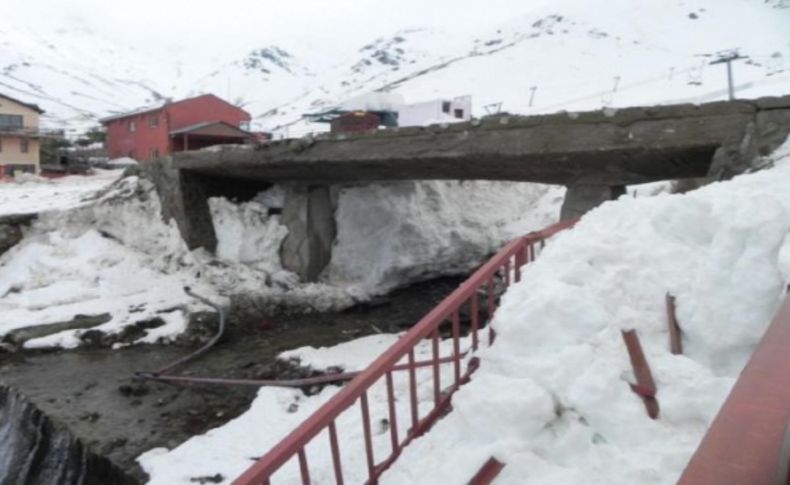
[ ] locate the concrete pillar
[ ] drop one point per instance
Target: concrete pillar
(184, 197)
(309, 215)
(582, 197)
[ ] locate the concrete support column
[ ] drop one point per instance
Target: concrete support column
(309, 215)
(583, 197)
(184, 197)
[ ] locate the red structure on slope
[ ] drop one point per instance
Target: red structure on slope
(188, 124)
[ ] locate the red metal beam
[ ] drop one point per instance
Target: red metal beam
(488, 472)
(745, 441)
(645, 387)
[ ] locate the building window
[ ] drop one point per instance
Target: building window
(132, 126)
(10, 121)
(153, 121)
(130, 154)
(153, 153)
(445, 107)
(23, 145)
(459, 113)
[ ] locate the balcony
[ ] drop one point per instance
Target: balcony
(30, 131)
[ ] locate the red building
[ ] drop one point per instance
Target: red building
(354, 122)
(188, 124)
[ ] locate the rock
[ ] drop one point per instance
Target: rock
(20, 336)
(11, 230)
(218, 478)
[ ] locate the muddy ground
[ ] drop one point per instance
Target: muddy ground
(93, 393)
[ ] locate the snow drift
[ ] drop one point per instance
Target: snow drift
(101, 248)
(559, 367)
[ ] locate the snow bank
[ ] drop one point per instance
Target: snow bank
(55, 278)
(109, 254)
(30, 194)
(551, 399)
(246, 233)
(392, 234)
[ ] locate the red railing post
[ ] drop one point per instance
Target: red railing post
(335, 448)
(363, 402)
(304, 471)
(393, 415)
(645, 386)
(457, 347)
(475, 304)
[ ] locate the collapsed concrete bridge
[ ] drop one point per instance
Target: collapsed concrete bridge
(594, 154)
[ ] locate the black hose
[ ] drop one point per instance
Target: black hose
(164, 370)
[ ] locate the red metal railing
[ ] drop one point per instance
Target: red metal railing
(488, 282)
(747, 442)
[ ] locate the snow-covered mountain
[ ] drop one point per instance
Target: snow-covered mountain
(529, 56)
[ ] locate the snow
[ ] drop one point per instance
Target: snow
(246, 233)
(559, 366)
(122, 162)
(551, 398)
(31, 195)
(396, 233)
(100, 246)
(92, 258)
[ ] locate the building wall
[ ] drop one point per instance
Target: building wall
(429, 112)
(146, 141)
(10, 144)
(138, 144)
(29, 116)
(11, 152)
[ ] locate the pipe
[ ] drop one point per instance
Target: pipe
(164, 370)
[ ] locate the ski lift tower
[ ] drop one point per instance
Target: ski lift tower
(728, 57)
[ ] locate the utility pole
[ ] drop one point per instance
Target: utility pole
(532, 95)
(729, 57)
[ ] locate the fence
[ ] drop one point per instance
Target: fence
(476, 297)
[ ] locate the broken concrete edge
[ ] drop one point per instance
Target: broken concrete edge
(41, 451)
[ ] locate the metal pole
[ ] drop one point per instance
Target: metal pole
(532, 95)
(728, 58)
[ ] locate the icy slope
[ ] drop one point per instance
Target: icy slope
(559, 367)
(79, 66)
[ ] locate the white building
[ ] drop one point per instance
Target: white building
(436, 111)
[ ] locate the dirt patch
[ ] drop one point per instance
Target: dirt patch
(92, 392)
